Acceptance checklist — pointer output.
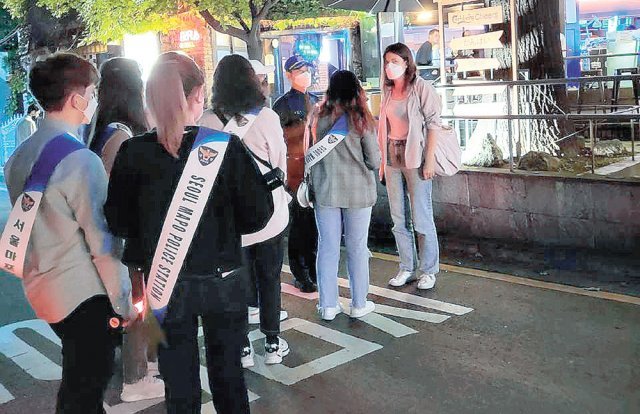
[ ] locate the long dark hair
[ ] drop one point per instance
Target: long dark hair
(236, 88)
(120, 97)
(345, 95)
(404, 52)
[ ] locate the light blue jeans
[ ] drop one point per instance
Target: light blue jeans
(330, 222)
(411, 209)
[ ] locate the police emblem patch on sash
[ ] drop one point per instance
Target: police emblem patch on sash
(206, 155)
(27, 202)
(242, 121)
(332, 139)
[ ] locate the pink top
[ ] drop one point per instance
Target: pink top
(398, 118)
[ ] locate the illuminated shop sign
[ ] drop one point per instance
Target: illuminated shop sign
(189, 39)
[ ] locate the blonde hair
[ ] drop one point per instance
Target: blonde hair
(171, 81)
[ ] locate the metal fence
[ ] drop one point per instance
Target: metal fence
(630, 114)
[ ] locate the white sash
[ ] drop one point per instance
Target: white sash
(183, 216)
(316, 153)
(240, 128)
(17, 232)
(322, 148)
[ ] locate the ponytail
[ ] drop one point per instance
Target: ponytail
(172, 79)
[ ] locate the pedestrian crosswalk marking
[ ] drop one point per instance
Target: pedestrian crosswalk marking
(411, 314)
(353, 348)
(413, 299)
(5, 395)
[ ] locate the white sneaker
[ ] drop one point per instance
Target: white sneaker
(402, 278)
(427, 281)
(152, 369)
(329, 314)
(145, 389)
(275, 352)
(365, 310)
(254, 315)
(246, 357)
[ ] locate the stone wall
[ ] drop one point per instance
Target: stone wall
(545, 209)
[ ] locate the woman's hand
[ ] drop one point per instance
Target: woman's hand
(429, 168)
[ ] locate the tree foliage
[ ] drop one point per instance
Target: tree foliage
(107, 20)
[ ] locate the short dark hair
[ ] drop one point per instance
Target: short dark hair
(53, 79)
(404, 52)
(236, 88)
(32, 107)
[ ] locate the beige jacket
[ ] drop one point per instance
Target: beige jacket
(423, 107)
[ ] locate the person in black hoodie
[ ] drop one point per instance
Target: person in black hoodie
(211, 284)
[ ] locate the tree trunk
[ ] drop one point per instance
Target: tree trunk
(254, 43)
(539, 52)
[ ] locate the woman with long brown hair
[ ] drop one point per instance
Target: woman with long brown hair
(344, 191)
(211, 285)
(409, 117)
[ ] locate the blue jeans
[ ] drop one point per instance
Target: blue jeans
(405, 188)
(330, 223)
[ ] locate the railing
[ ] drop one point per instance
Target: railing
(512, 90)
(8, 137)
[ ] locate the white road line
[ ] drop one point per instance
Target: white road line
(383, 323)
(413, 299)
(353, 348)
(292, 290)
(411, 314)
(5, 395)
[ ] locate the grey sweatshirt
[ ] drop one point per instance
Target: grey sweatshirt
(71, 255)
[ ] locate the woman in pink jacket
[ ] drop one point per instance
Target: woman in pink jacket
(409, 115)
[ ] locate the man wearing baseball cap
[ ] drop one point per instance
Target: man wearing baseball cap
(293, 108)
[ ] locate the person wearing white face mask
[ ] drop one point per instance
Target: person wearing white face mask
(293, 108)
(72, 275)
(409, 117)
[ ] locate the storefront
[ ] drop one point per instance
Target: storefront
(601, 29)
(327, 48)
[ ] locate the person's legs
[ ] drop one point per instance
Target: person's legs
(268, 265)
(310, 243)
(424, 224)
(329, 221)
(179, 359)
(224, 334)
(250, 254)
(402, 232)
(88, 346)
(356, 231)
(298, 247)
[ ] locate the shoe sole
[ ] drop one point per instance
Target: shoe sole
(426, 288)
(248, 364)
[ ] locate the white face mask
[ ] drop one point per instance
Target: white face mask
(303, 80)
(90, 110)
(394, 71)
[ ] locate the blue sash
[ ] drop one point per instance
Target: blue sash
(17, 232)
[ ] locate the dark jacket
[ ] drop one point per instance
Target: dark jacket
(142, 183)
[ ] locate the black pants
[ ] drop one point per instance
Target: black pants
(88, 346)
(222, 305)
(264, 262)
(303, 242)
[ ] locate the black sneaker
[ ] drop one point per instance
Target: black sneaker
(306, 286)
(275, 352)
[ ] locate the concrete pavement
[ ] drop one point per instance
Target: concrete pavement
(472, 345)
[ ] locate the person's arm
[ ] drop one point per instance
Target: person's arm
(110, 149)
(431, 108)
(276, 146)
(121, 191)
(85, 189)
(370, 149)
(251, 199)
